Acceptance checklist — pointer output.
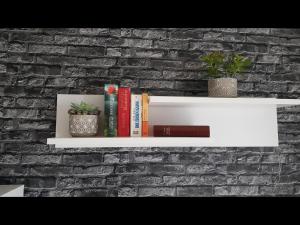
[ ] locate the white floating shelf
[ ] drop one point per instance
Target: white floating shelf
(196, 101)
(234, 122)
(129, 142)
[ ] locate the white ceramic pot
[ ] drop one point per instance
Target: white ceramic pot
(222, 87)
(83, 125)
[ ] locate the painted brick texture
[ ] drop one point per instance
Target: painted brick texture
(37, 64)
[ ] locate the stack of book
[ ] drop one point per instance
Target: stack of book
(126, 114)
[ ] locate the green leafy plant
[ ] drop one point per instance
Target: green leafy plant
(214, 62)
(219, 65)
(236, 64)
(83, 109)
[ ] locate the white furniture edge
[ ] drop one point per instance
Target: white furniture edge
(129, 142)
(174, 100)
(11, 190)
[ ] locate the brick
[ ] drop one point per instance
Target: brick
(35, 103)
(285, 32)
(31, 81)
(159, 191)
(99, 170)
(20, 113)
(19, 58)
(16, 47)
(186, 34)
(92, 182)
(9, 159)
(34, 182)
(114, 52)
(133, 62)
(2, 68)
(86, 51)
(191, 85)
(68, 182)
(148, 157)
(137, 43)
(131, 169)
(194, 191)
(41, 159)
(156, 84)
(261, 48)
(127, 192)
(47, 170)
(171, 44)
(49, 49)
(236, 190)
(272, 87)
(149, 34)
(268, 59)
(113, 180)
(97, 61)
(254, 30)
(277, 189)
(41, 70)
(201, 169)
(291, 59)
(62, 60)
(91, 193)
(61, 82)
(255, 180)
(145, 74)
(32, 38)
(205, 46)
(116, 158)
(146, 53)
(13, 170)
(80, 159)
(213, 36)
(93, 31)
(77, 40)
(142, 180)
(166, 169)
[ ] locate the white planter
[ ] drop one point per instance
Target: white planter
(222, 87)
(83, 125)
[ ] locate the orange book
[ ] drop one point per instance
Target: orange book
(145, 103)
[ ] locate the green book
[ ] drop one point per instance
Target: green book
(110, 110)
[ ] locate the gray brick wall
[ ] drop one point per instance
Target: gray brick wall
(36, 64)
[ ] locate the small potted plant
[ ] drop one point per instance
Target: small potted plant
(83, 120)
(223, 71)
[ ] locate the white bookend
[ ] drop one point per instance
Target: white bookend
(136, 117)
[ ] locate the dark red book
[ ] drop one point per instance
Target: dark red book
(124, 96)
(180, 131)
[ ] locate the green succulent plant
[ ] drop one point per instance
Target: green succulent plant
(219, 65)
(83, 109)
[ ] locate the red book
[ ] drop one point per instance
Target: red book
(180, 131)
(124, 96)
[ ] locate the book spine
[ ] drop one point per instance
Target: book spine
(145, 112)
(136, 123)
(180, 131)
(110, 109)
(123, 112)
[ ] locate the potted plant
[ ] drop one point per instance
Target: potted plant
(223, 71)
(83, 120)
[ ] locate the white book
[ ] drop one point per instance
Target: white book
(136, 116)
